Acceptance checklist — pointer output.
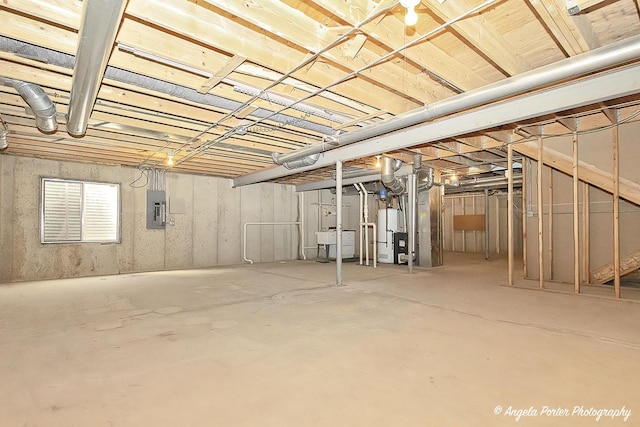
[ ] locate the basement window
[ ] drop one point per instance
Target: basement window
(79, 211)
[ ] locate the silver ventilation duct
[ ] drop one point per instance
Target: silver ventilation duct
(39, 102)
(3, 139)
(477, 184)
(426, 178)
(388, 178)
(592, 61)
(100, 23)
(306, 161)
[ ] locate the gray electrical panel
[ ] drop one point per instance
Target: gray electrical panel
(156, 209)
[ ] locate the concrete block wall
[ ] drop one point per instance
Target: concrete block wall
(208, 215)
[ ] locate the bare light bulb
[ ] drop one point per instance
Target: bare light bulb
(411, 18)
(377, 161)
(170, 160)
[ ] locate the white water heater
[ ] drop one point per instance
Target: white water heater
(389, 222)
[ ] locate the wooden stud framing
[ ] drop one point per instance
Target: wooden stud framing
(586, 244)
(616, 208)
(540, 214)
(475, 234)
(463, 202)
(510, 210)
(550, 222)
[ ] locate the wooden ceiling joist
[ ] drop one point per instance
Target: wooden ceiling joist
(247, 47)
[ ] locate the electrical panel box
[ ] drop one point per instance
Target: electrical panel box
(156, 209)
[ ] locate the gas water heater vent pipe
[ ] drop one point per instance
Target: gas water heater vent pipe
(388, 178)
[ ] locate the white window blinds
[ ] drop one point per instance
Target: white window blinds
(77, 211)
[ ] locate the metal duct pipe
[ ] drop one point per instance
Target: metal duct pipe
(451, 189)
(393, 183)
(307, 161)
(417, 162)
(100, 23)
(43, 108)
(589, 62)
(413, 219)
(426, 178)
(356, 173)
(3, 139)
(486, 180)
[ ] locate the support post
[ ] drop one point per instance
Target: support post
(525, 213)
(339, 223)
(302, 227)
(486, 224)
(510, 210)
(497, 225)
(576, 237)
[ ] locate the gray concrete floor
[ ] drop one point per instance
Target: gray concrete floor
(278, 345)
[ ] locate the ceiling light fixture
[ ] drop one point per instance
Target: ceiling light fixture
(170, 159)
(411, 17)
(378, 161)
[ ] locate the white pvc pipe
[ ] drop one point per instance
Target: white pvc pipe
(244, 235)
(365, 219)
(375, 236)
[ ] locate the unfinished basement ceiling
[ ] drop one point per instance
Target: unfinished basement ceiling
(221, 85)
